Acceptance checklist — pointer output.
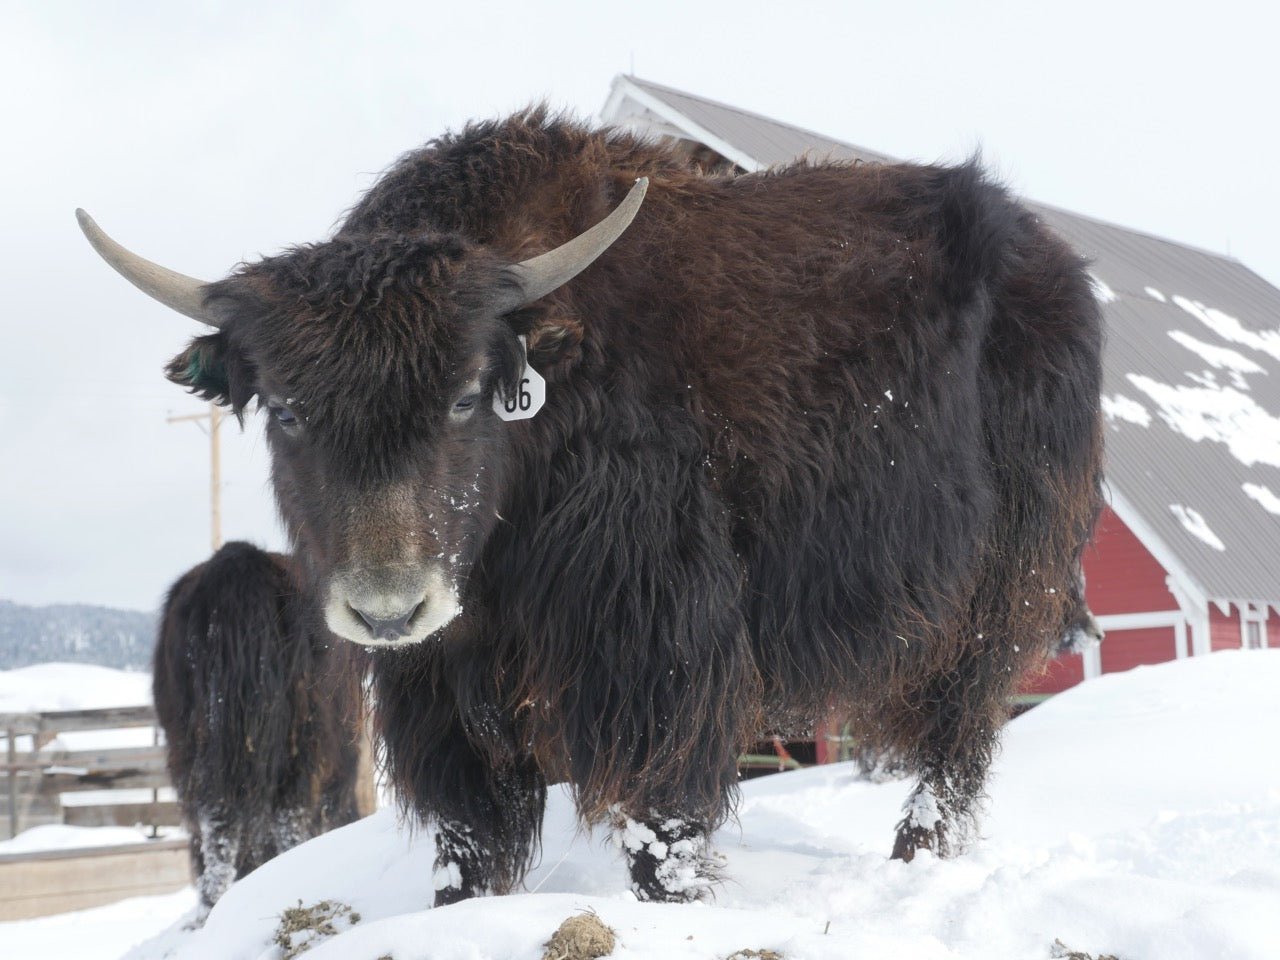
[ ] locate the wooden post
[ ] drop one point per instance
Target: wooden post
(215, 486)
(13, 783)
(215, 417)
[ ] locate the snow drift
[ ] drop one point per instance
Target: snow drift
(1137, 814)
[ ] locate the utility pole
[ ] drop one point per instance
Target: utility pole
(215, 417)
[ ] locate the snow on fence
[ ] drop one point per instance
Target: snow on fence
(36, 778)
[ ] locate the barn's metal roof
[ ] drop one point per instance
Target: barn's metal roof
(1191, 363)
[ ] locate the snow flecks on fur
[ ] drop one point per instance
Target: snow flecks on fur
(1078, 638)
(218, 853)
(922, 810)
(291, 827)
(446, 875)
(669, 859)
(679, 871)
(457, 864)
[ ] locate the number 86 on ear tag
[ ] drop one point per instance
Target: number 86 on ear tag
(529, 396)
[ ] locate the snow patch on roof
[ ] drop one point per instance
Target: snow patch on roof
(1231, 329)
(1221, 414)
(1100, 289)
(1194, 523)
(1222, 358)
(1155, 294)
(1269, 501)
(1121, 407)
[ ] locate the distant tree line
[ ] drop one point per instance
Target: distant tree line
(75, 633)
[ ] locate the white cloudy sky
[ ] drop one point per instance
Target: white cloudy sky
(203, 133)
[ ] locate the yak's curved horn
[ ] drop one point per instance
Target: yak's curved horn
(539, 275)
(175, 290)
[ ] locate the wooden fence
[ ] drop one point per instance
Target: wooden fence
(34, 780)
(44, 882)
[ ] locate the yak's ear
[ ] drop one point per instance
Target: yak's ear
(213, 370)
(555, 343)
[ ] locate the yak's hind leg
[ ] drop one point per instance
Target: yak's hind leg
(215, 852)
(668, 857)
(957, 716)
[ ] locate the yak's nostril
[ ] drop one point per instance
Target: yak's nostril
(389, 628)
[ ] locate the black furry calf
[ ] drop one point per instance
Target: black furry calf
(262, 715)
(819, 439)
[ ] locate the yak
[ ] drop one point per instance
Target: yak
(819, 439)
(262, 715)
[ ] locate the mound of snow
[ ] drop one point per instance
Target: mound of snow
(71, 686)
(1137, 814)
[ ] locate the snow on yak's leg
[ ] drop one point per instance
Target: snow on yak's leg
(289, 827)
(667, 856)
(957, 716)
(460, 863)
(216, 846)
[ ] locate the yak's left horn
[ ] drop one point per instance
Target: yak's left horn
(175, 290)
(539, 275)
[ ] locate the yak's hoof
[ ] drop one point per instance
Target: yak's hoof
(448, 895)
(912, 838)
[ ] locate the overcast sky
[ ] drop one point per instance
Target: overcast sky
(200, 134)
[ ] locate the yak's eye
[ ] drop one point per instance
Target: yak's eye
(466, 405)
(284, 415)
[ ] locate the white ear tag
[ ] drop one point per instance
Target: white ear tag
(530, 394)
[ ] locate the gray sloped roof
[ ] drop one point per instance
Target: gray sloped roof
(1191, 363)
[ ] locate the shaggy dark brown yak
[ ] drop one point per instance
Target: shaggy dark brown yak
(821, 437)
(262, 715)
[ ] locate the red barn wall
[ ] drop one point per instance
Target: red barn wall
(1121, 575)
(1125, 649)
(1224, 630)
(1062, 673)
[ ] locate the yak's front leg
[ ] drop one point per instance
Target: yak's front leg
(485, 839)
(668, 857)
(486, 836)
(484, 797)
(461, 870)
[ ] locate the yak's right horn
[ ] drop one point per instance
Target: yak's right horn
(175, 290)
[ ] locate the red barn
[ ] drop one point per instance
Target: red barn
(1186, 559)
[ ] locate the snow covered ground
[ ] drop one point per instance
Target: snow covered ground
(1137, 814)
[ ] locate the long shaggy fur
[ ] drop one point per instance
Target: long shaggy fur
(262, 715)
(823, 438)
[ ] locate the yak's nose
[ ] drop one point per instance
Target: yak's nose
(389, 628)
(390, 605)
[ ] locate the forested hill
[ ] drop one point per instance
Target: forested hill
(75, 633)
